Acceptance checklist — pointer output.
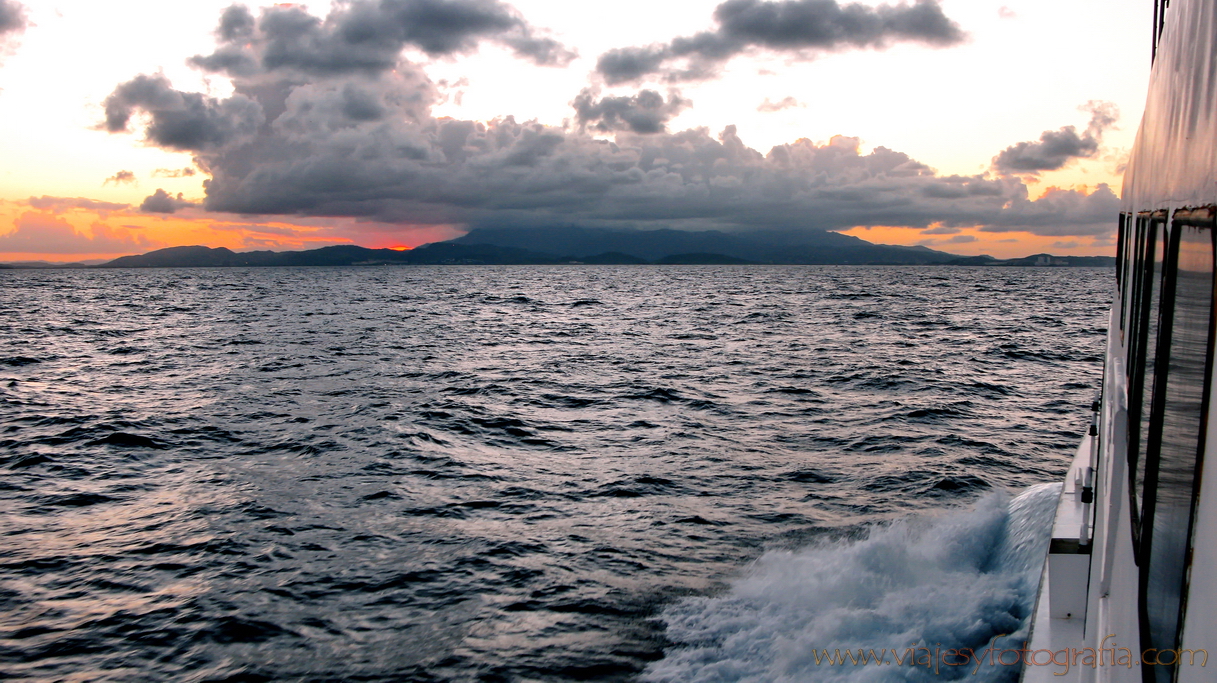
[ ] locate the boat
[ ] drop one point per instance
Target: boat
(1128, 591)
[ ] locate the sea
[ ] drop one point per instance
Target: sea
(532, 473)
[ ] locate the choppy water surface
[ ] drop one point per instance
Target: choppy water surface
(513, 474)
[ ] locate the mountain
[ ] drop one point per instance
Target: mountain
(1039, 260)
(343, 255)
(597, 246)
(43, 265)
(206, 257)
(707, 246)
(565, 245)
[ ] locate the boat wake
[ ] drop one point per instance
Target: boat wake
(908, 591)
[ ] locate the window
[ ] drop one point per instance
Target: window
(1172, 424)
(1143, 355)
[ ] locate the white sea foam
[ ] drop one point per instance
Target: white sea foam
(964, 579)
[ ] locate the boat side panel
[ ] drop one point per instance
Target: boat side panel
(1200, 623)
(1174, 160)
(1114, 577)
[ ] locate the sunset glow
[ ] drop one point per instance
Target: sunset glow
(959, 105)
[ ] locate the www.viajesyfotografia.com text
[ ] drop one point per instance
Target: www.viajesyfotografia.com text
(1066, 659)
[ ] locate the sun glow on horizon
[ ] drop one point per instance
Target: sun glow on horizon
(67, 230)
(944, 109)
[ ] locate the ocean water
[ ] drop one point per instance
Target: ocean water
(603, 473)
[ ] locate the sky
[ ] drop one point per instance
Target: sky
(970, 126)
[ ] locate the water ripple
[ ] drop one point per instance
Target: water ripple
(486, 474)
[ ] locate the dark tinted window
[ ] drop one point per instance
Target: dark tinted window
(1120, 242)
(1138, 265)
(1136, 277)
(1176, 436)
(1143, 359)
(1124, 239)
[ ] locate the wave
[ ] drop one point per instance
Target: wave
(965, 579)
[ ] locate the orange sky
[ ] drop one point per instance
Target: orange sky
(62, 229)
(69, 191)
(53, 230)
(973, 242)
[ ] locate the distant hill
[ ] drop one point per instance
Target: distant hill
(41, 265)
(591, 246)
(1039, 260)
(343, 255)
(706, 246)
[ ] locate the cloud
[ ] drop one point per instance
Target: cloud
(786, 103)
(941, 230)
(1054, 150)
(1057, 148)
(39, 232)
(955, 239)
(173, 172)
(365, 146)
(64, 203)
(120, 178)
(368, 37)
(646, 112)
(627, 64)
(258, 229)
(13, 21)
(1059, 213)
(1006, 13)
(163, 202)
(797, 27)
(181, 121)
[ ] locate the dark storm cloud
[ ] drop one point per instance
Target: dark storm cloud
(163, 202)
(313, 160)
(825, 24)
(1055, 148)
(625, 64)
(237, 24)
(791, 26)
(181, 121)
(13, 22)
(1059, 213)
(646, 112)
(364, 144)
(368, 37)
(12, 18)
(543, 51)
